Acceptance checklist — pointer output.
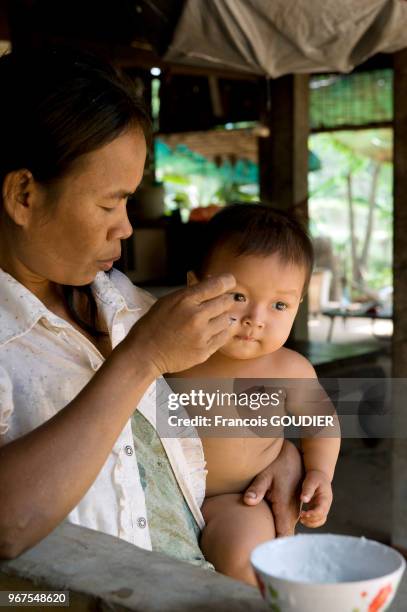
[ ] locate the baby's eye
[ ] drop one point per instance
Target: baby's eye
(239, 297)
(279, 306)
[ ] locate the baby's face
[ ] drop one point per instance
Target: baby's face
(267, 296)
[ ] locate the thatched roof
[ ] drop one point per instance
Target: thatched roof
(276, 37)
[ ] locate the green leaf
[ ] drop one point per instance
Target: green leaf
(272, 591)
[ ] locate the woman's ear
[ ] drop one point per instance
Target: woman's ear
(17, 196)
(191, 278)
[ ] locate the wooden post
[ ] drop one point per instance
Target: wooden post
(4, 21)
(399, 352)
(283, 158)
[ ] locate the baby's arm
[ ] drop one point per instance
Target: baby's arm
(320, 456)
(321, 450)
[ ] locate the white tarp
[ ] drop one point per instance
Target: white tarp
(276, 37)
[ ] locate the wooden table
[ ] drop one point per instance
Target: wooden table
(328, 357)
(373, 315)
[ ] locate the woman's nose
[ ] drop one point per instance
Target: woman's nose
(127, 229)
(122, 230)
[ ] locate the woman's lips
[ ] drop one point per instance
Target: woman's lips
(106, 264)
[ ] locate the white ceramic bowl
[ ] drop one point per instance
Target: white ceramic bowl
(327, 573)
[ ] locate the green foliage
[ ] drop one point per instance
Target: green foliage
(192, 180)
(355, 99)
(344, 153)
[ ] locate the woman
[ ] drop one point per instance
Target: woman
(80, 347)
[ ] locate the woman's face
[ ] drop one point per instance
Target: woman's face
(75, 227)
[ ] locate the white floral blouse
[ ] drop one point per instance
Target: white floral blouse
(44, 364)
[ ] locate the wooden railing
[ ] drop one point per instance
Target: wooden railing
(105, 573)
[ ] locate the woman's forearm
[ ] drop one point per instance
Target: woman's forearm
(44, 474)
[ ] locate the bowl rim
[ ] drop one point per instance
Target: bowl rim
(400, 569)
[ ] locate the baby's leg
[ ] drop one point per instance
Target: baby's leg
(232, 531)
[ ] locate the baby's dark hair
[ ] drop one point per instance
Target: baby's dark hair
(256, 229)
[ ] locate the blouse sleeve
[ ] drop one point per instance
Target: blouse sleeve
(132, 294)
(6, 401)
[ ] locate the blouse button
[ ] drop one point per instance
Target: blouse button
(128, 450)
(141, 522)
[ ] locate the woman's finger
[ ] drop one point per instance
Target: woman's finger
(211, 288)
(219, 324)
(257, 489)
(285, 518)
(216, 306)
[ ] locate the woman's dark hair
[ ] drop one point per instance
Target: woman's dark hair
(56, 105)
(256, 229)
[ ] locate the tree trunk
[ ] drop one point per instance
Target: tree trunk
(376, 167)
(357, 277)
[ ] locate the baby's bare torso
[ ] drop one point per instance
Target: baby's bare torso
(233, 462)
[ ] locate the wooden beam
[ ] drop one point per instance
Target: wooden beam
(399, 352)
(101, 572)
(136, 55)
(4, 20)
(283, 158)
(379, 125)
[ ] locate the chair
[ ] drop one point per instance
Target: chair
(318, 291)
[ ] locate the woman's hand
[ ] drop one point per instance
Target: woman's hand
(279, 485)
(186, 327)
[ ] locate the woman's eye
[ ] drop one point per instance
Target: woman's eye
(279, 306)
(107, 209)
(239, 297)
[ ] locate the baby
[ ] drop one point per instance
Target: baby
(271, 258)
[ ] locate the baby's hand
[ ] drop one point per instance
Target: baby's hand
(317, 491)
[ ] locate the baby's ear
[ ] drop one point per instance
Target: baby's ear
(191, 278)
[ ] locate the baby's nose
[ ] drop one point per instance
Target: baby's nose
(253, 322)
